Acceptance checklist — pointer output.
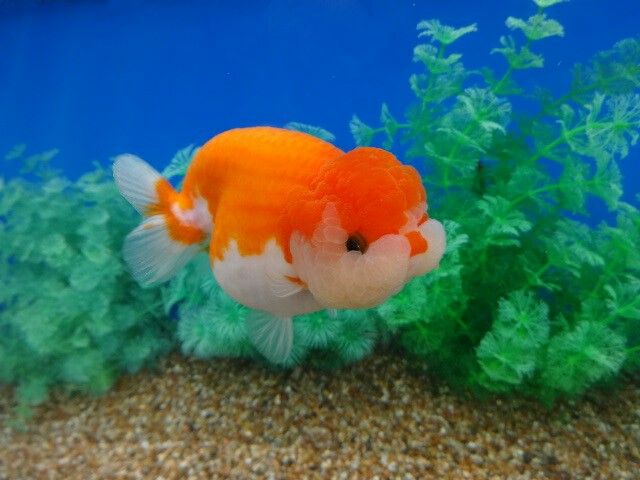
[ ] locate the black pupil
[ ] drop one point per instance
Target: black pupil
(355, 243)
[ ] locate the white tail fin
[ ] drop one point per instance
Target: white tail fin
(163, 243)
(152, 255)
(137, 181)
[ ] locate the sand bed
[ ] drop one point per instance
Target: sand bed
(235, 419)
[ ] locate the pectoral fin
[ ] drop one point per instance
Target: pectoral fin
(282, 278)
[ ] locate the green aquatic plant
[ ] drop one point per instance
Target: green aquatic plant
(70, 313)
(528, 297)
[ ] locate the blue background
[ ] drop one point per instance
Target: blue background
(98, 78)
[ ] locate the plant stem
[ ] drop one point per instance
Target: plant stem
(549, 147)
(441, 50)
(452, 152)
(533, 193)
(399, 126)
(618, 311)
(571, 95)
(542, 270)
(496, 87)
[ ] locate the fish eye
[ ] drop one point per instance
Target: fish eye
(357, 243)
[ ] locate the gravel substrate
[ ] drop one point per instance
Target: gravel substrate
(238, 420)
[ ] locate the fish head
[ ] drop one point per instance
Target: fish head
(361, 231)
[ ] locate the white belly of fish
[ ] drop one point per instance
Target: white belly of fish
(259, 281)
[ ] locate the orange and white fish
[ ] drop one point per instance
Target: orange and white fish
(294, 225)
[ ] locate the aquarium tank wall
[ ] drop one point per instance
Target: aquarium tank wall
(521, 116)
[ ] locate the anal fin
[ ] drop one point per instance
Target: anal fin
(271, 335)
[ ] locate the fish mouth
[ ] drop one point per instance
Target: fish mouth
(353, 279)
(434, 235)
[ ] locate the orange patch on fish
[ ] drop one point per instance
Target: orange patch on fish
(168, 197)
(418, 243)
(372, 191)
(250, 174)
(296, 280)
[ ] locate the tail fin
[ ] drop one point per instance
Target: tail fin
(164, 242)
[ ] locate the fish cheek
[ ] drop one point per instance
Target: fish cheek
(366, 280)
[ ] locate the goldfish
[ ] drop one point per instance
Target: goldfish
(292, 225)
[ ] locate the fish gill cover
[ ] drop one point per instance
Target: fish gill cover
(527, 298)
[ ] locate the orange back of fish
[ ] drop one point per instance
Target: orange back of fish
(246, 175)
